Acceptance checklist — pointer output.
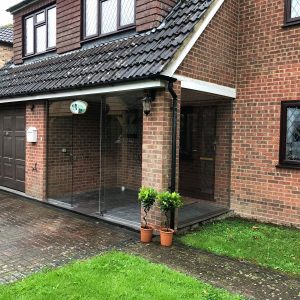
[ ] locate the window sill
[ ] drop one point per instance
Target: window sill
(39, 54)
(108, 35)
(290, 24)
(288, 166)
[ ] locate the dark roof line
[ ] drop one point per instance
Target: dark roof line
(20, 5)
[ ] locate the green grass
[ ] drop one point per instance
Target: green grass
(114, 275)
(267, 245)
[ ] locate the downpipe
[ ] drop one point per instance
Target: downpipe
(174, 145)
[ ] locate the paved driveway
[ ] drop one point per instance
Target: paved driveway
(34, 235)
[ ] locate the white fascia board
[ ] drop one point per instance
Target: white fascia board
(185, 49)
(206, 87)
(138, 85)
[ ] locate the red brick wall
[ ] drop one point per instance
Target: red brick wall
(35, 178)
(223, 153)
(156, 160)
(149, 14)
(68, 25)
(268, 73)
(213, 57)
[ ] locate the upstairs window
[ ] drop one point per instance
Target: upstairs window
(292, 14)
(290, 134)
(40, 31)
(102, 17)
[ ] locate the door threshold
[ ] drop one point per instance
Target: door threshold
(104, 217)
(22, 194)
(202, 219)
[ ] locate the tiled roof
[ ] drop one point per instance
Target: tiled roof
(6, 35)
(137, 57)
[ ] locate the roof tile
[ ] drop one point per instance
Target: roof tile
(139, 56)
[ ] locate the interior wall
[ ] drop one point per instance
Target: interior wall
(117, 134)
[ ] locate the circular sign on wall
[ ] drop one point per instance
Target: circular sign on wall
(78, 107)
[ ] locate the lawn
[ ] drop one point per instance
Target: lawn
(267, 245)
(114, 275)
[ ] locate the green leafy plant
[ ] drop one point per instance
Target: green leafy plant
(168, 201)
(147, 197)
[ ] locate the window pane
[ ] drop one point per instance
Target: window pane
(52, 27)
(295, 8)
(29, 35)
(40, 17)
(41, 39)
(293, 134)
(127, 12)
(91, 17)
(109, 16)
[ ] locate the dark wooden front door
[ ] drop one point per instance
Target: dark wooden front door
(197, 152)
(12, 148)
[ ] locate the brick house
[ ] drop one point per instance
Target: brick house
(197, 96)
(6, 44)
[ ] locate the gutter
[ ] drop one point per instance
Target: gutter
(13, 9)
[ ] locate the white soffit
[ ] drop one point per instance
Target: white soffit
(206, 87)
(200, 27)
(147, 84)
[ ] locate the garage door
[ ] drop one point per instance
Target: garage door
(12, 148)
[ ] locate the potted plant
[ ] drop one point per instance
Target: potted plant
(167, 202)
(147, 197)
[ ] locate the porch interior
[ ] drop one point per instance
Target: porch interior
(204, 156)
(95, 159)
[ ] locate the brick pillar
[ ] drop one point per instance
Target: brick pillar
(35, 181)
(156, 160)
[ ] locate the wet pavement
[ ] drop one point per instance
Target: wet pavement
(243, 278)
(34, 236)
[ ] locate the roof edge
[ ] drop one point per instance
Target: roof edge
(13, 9)
(138, 84)
(183, 51)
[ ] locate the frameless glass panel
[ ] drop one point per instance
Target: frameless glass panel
(40, 17)
(127, 12)
(29, 35)
(95, 159)
(41, 39)
(60, 154)
(109, 18)
(293, 134)
(91, 17)
(52, 27)
(121, 153)
(295, 8)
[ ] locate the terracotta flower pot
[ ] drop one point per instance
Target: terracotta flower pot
(146, 234)
(166, 237)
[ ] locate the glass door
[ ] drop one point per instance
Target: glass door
(60, 154)
(197, 152)
(121, 158)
